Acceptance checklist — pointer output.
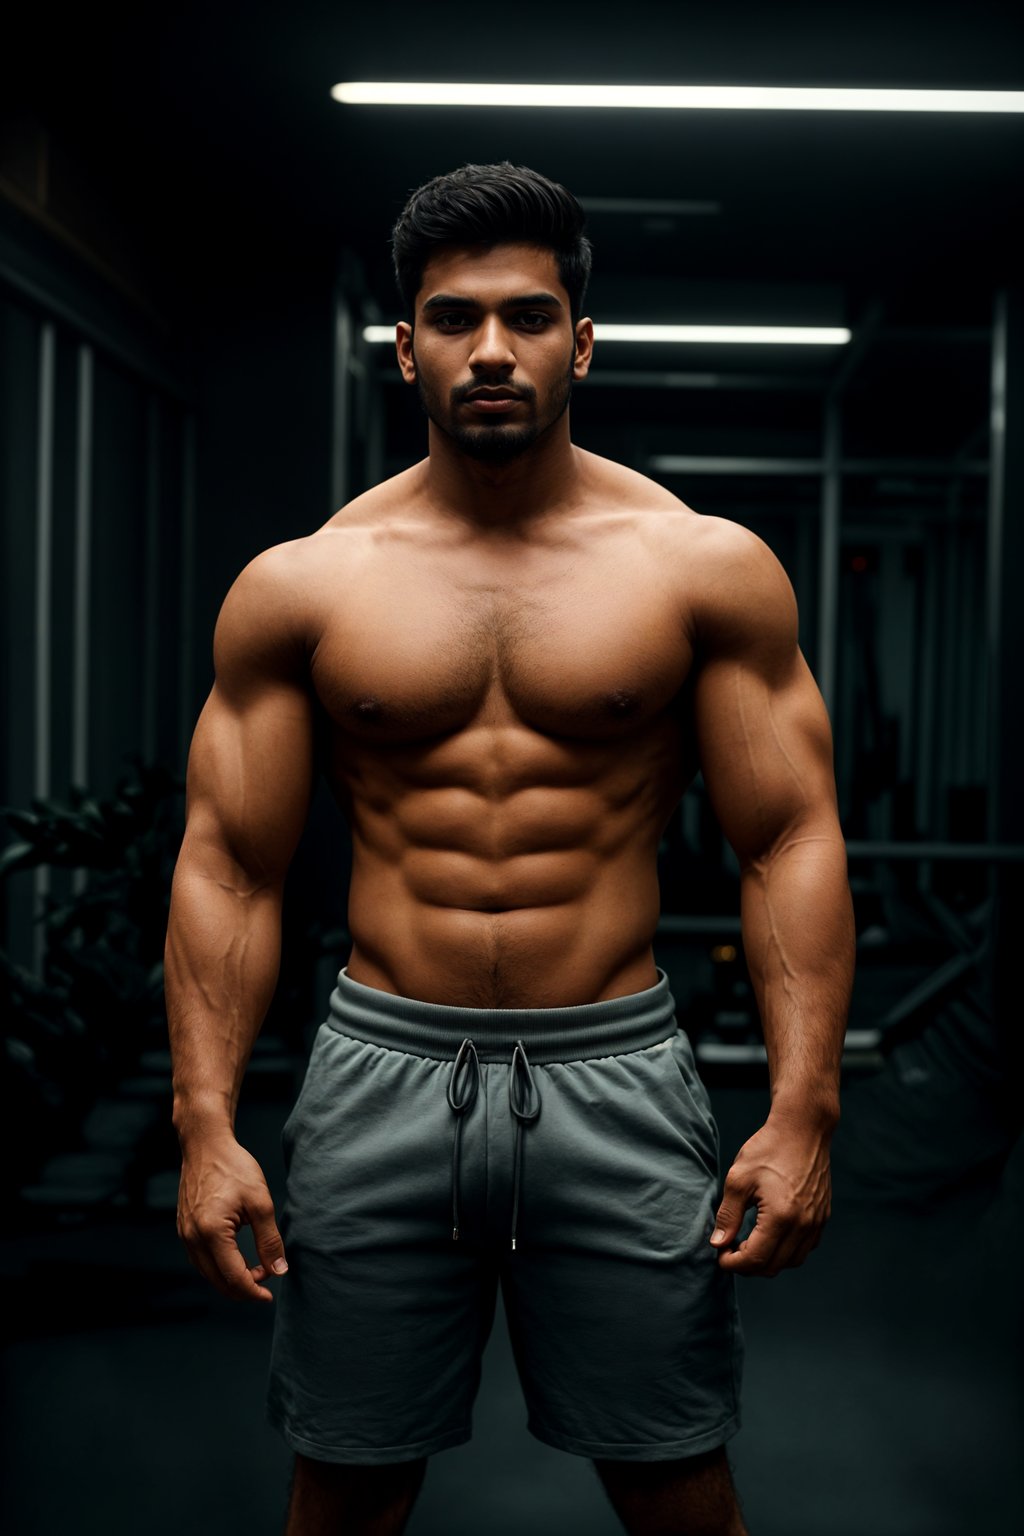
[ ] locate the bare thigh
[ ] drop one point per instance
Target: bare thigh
(690, 1496)
(340, 1499)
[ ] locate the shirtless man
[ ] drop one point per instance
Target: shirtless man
(510, 661)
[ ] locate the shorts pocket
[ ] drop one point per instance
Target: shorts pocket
(291, 1124)
(697, 1100)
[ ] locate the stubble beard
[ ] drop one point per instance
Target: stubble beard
(495, 442)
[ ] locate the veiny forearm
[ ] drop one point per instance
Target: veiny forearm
(221, 964)
(799, 940)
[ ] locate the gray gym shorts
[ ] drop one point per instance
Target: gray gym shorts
(574, 1152)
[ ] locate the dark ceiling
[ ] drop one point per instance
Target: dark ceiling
(209, 135)
(220, 113)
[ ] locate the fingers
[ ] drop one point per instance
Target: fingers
(770, 1248)
(729, 1217)
(787, 1178)
(759, 1254)
(234, 1273)
(208, 1227)
(218, 1258)
(269, 1245)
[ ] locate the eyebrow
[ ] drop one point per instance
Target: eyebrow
(519, 301)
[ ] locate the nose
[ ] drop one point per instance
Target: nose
(492, 352)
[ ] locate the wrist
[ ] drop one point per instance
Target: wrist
(202, 1119)
(811, 1111)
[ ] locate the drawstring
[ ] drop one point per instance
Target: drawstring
(460, 1109)
(523, 1117)
(524, 1113)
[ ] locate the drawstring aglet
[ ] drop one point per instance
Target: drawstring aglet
(455, 1234)
(513, 1244)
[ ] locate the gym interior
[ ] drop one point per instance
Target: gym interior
(197, 316)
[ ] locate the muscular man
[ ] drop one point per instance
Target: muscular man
(509, 661)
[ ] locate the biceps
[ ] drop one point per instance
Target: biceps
(249, 782)
(765, 751)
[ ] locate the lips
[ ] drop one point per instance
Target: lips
(488, 394)
(500, 404)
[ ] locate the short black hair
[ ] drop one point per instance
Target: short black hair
(485, 205)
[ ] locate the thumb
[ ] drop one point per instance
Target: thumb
(730, 1215)
(269, 1244)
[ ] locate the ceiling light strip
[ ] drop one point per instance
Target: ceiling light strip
(729, 97)
(786, 335)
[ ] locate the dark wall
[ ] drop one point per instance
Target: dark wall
(263, 403)
(209, 439)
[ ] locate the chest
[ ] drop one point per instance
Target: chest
(588, 649)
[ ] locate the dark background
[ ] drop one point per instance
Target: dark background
(192, 237)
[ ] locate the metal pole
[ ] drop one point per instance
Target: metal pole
(374, 432)
(928, 660)
(1005, 645)
(151, 614)
(995, 554)
(949, 719)
(187, 618)
(340, 404)
(44, 597)
(83, 542)
(80, 658)
(828, 582)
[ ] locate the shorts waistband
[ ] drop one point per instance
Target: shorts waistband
(607, 1028)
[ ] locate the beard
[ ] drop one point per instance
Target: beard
(496, 442)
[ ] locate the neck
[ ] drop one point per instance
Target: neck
(527, 488)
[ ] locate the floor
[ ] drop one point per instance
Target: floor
(882, 1388)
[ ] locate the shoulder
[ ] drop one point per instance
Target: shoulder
(728, 554)
(264, 624)
(285, 581)
(738, 592)
(733, 589)
(270, 584)
(275, 610)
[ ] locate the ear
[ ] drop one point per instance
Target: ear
(403, 346)
(584, 348)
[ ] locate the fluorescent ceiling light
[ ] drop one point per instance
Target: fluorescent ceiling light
(733, 97)
(790, 335)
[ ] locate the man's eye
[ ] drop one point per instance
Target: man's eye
(533, 320)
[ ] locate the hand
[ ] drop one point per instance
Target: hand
(221, 1188)
(784, 1170)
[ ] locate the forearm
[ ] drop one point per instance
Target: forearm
(799, 941)
(221, 964)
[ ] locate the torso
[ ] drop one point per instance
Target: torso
(507, 731)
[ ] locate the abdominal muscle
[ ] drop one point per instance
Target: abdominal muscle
(471, 918)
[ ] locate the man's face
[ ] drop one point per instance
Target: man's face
(494, 323)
